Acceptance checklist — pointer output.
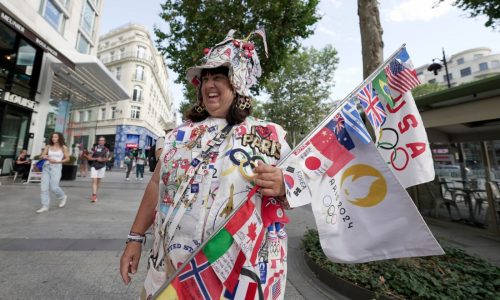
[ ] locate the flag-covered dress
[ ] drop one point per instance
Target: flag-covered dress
(204, 176)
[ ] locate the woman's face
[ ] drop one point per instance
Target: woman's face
(217, 94)
(55, 138)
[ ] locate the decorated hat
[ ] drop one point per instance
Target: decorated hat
(239, 56)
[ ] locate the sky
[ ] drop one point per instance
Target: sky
(424, 29)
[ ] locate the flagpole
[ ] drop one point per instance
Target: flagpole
(332, 112)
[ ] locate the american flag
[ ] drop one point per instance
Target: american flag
(372, 105)
(276, 289)
(262, 34)
(401, 76)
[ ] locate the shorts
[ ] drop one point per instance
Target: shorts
(97, 173)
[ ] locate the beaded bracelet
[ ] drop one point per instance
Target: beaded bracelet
(136, 237)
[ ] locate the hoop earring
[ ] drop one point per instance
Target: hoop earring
(244, 103)
(199, 108)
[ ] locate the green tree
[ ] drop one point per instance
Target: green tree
(195, 25)
(488, 8)
(427, 88)
(299, 91)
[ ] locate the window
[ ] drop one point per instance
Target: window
(141, 51)
(495, 64)
(432, 81)
(88, 115)
(118, 73)
(450, 76)
(88, 17)
(111, 55)
(83, 46)
(460, 61)
(465, 72)
(122, 53)
(103, 113)
(483, 66)
(137, 94)
(53, 14)
(81, 116)
(139, 73)
(135, 112)
(113, 112)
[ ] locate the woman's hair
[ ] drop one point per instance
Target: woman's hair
(234, 115)
(60, 140)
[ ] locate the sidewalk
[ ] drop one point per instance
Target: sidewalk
(73, 252)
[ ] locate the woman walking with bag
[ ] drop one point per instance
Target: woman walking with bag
(55, 154)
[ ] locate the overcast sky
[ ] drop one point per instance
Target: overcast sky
(424, 29)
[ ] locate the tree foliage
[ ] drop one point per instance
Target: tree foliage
(195, 25)
(427, 88)
(299, 90)
(488, 8)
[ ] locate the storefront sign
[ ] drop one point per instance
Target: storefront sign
(19, 27)
(13, 98)
(131, 145)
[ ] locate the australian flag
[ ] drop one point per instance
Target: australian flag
(337, 125)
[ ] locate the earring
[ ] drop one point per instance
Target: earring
(199, 108)
(244, 103)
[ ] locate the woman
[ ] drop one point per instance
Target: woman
(207, 168)
(23, 164)
(55, 154)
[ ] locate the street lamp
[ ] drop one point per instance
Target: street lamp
(435, 67)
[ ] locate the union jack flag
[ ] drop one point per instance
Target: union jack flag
(372, 106)
(401, 76)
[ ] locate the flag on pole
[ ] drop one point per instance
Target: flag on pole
(353, 122)
(364, 214)
(403, 142)
(401, 75)
(382, 88)
(372, 106)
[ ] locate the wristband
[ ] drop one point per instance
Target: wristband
(136, 237)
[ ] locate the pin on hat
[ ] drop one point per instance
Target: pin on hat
(239, 56)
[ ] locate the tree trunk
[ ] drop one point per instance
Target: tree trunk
(371, 35)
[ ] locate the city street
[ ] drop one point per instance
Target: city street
(73, 252)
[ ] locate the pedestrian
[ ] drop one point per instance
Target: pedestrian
(209, 165)
(55, 154)
(99, 157)
(140, 161)
(84, 162)
(22, 165)
(128, 163)
(160, 143)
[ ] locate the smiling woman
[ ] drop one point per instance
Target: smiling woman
(209, 166)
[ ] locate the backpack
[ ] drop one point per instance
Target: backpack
(152, 161)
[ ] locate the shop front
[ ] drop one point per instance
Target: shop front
(129, 139)
(20, 63)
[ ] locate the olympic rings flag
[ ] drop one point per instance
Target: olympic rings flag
(362, 211)
(401, 137)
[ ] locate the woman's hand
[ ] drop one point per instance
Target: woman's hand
(130, 260)
(270, 180)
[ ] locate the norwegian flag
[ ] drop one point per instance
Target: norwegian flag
(372, 106)
(401, 76)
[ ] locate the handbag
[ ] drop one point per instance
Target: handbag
(39, 164)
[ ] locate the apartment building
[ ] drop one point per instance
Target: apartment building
(465, 66)
(130, 55)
